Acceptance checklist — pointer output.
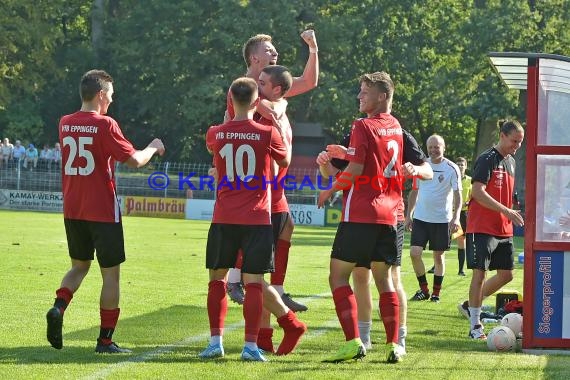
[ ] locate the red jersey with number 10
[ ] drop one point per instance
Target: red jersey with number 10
(278, 200)
(377, 143)
(90, 145)
(242, 155)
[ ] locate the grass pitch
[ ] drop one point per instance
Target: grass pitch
(164, 319)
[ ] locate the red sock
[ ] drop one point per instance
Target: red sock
(109, 318)
(265, 339)
(239, 260)
(281, 260)
(293, 331)
(345, 305)
(252, 309)
(437, 281)
(63, 297)
(390, 310)
(217, 306)
(436, 290)
(424, 287)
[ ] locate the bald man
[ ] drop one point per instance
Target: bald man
(433, 215)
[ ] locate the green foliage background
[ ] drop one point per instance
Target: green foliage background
(173, 61)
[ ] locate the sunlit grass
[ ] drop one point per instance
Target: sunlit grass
(164, 318)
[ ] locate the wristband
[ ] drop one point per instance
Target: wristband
(313, 50)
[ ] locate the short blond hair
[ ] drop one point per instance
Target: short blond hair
(251, 45)
(380, 80)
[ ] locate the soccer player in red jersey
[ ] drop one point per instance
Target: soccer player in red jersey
(243, 150)
(259, 53)
(367, 232)
(91, 143)
(331, 162)
(490, 221)
(274, 81)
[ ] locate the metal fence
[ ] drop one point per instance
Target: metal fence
(157, 179)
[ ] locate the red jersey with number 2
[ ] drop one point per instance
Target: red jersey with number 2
(242, 155)
(377, 143)
(90, 145)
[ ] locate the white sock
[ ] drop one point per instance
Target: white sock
(251, 345)
(474, 315)
(364, 328)
(234, 275)
(215, 340)
(402, 333)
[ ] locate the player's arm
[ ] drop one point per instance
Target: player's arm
(325, 166)
(455, 224)
(412, 199)
(469, 196)
(267, 108)
(141, 157)
(344, 181)
(479, 193)
(284, 162)
(310, 77)
(280, 144)
(415, 159)
(422, 171)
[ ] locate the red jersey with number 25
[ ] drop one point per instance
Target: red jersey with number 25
(242, 155)
(376, 142)
(90, 145)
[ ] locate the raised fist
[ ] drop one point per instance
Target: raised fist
(309, 38)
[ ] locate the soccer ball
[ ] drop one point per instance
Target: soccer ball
(501, 339)
(513, 321)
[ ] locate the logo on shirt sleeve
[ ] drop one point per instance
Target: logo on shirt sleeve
(351, 151)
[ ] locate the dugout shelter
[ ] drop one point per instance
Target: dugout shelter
(546, 79)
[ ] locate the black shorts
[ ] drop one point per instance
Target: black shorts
(85, 237)
(436, 233)
(279, 221)
(224, 241)
(463, 221)
(487, 252)
(362, 243)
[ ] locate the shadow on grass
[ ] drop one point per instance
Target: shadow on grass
(156, 331)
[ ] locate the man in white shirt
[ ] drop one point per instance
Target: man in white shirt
(6, 152)
(433, 215)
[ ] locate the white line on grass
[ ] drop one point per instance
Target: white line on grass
(167, 348)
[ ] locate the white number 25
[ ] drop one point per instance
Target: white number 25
(81, 143)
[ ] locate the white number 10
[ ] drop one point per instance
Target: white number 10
(227, 152)
(73, 151)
